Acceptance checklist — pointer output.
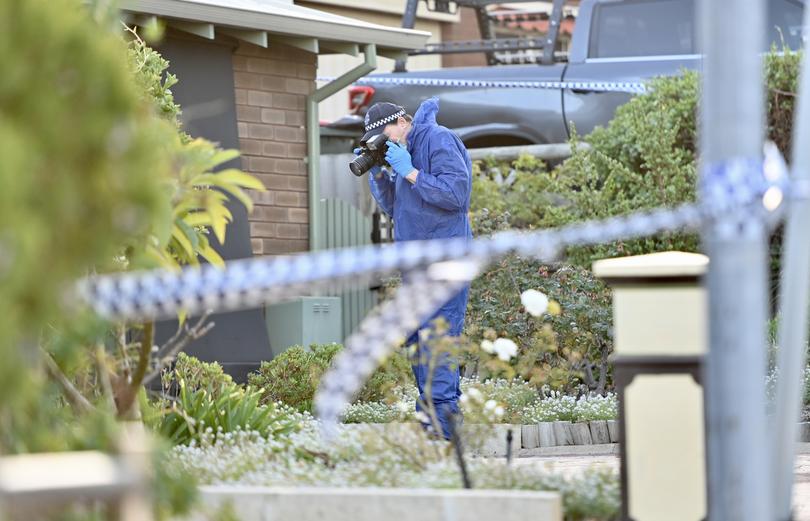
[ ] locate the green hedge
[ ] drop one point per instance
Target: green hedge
(578, 352)
(293, 376)
(644, 158)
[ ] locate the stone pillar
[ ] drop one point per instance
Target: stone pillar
(660, 338)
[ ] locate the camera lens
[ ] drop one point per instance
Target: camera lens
(361, 164)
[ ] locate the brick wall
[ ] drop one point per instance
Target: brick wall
(466, 29)
(271, 89)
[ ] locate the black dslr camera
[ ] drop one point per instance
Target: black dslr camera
(371, 153)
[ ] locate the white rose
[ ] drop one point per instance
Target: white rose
(535, 302)
(505, 348)
(490, 405)
(499, 411)
(474, 394)
(487, 346)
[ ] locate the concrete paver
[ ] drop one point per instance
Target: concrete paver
(572, 462)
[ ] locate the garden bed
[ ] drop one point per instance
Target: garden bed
(396, 457)
(492, 440)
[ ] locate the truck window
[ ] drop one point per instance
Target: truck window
(785, 21)
(667, 27)
(642, 28)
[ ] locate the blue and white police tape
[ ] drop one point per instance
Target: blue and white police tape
(766, 180)
(589, 86)
(382, 331)
(752, 189)
(251, 282)
(248, 283)
(730, 185)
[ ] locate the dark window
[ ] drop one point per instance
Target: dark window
(666, 27)
(785, 22)
(642, 28)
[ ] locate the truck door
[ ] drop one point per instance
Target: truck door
(626, 41)
(635, 40)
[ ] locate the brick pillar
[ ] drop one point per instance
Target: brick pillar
(271, 89)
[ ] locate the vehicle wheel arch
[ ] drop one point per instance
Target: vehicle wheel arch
(498, 139)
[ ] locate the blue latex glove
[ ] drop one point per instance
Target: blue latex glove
(374, 169)
(399, 158)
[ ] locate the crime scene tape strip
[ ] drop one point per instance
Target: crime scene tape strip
(590, 86)
(748, 190)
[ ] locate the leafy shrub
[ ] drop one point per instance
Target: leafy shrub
(513, 195)
(200, 375)
(513, 395)
(644, 158)
(395, 371)
(781, 73)
(85, 172)
(71, 122)
(584, 326)
(153, 79)
(195, 205)
(578, 350)
(293, 376)
(209, 401)
(229, 410)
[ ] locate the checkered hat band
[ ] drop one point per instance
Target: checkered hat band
(386, 120)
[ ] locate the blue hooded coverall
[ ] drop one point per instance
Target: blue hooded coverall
(434, 207)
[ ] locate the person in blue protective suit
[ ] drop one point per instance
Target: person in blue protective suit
(427, 192)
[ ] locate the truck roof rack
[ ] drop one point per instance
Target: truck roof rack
(488, 43)
(462, 46)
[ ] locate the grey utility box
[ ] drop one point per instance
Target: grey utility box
(304, 321)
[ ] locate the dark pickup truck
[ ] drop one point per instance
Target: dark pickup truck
(613, 41)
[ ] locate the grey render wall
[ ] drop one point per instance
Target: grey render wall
(206, 94)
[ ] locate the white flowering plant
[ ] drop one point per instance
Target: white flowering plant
(596, 407)
(402, 410)
(559, 317)
(478, 409)
(512, 395)
(522, 342)
(494, 401)
(500, 357)
(398, 406)
(376, 458)
(556, 406)
(371, 412)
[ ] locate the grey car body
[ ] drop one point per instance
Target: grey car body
(613, 41)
